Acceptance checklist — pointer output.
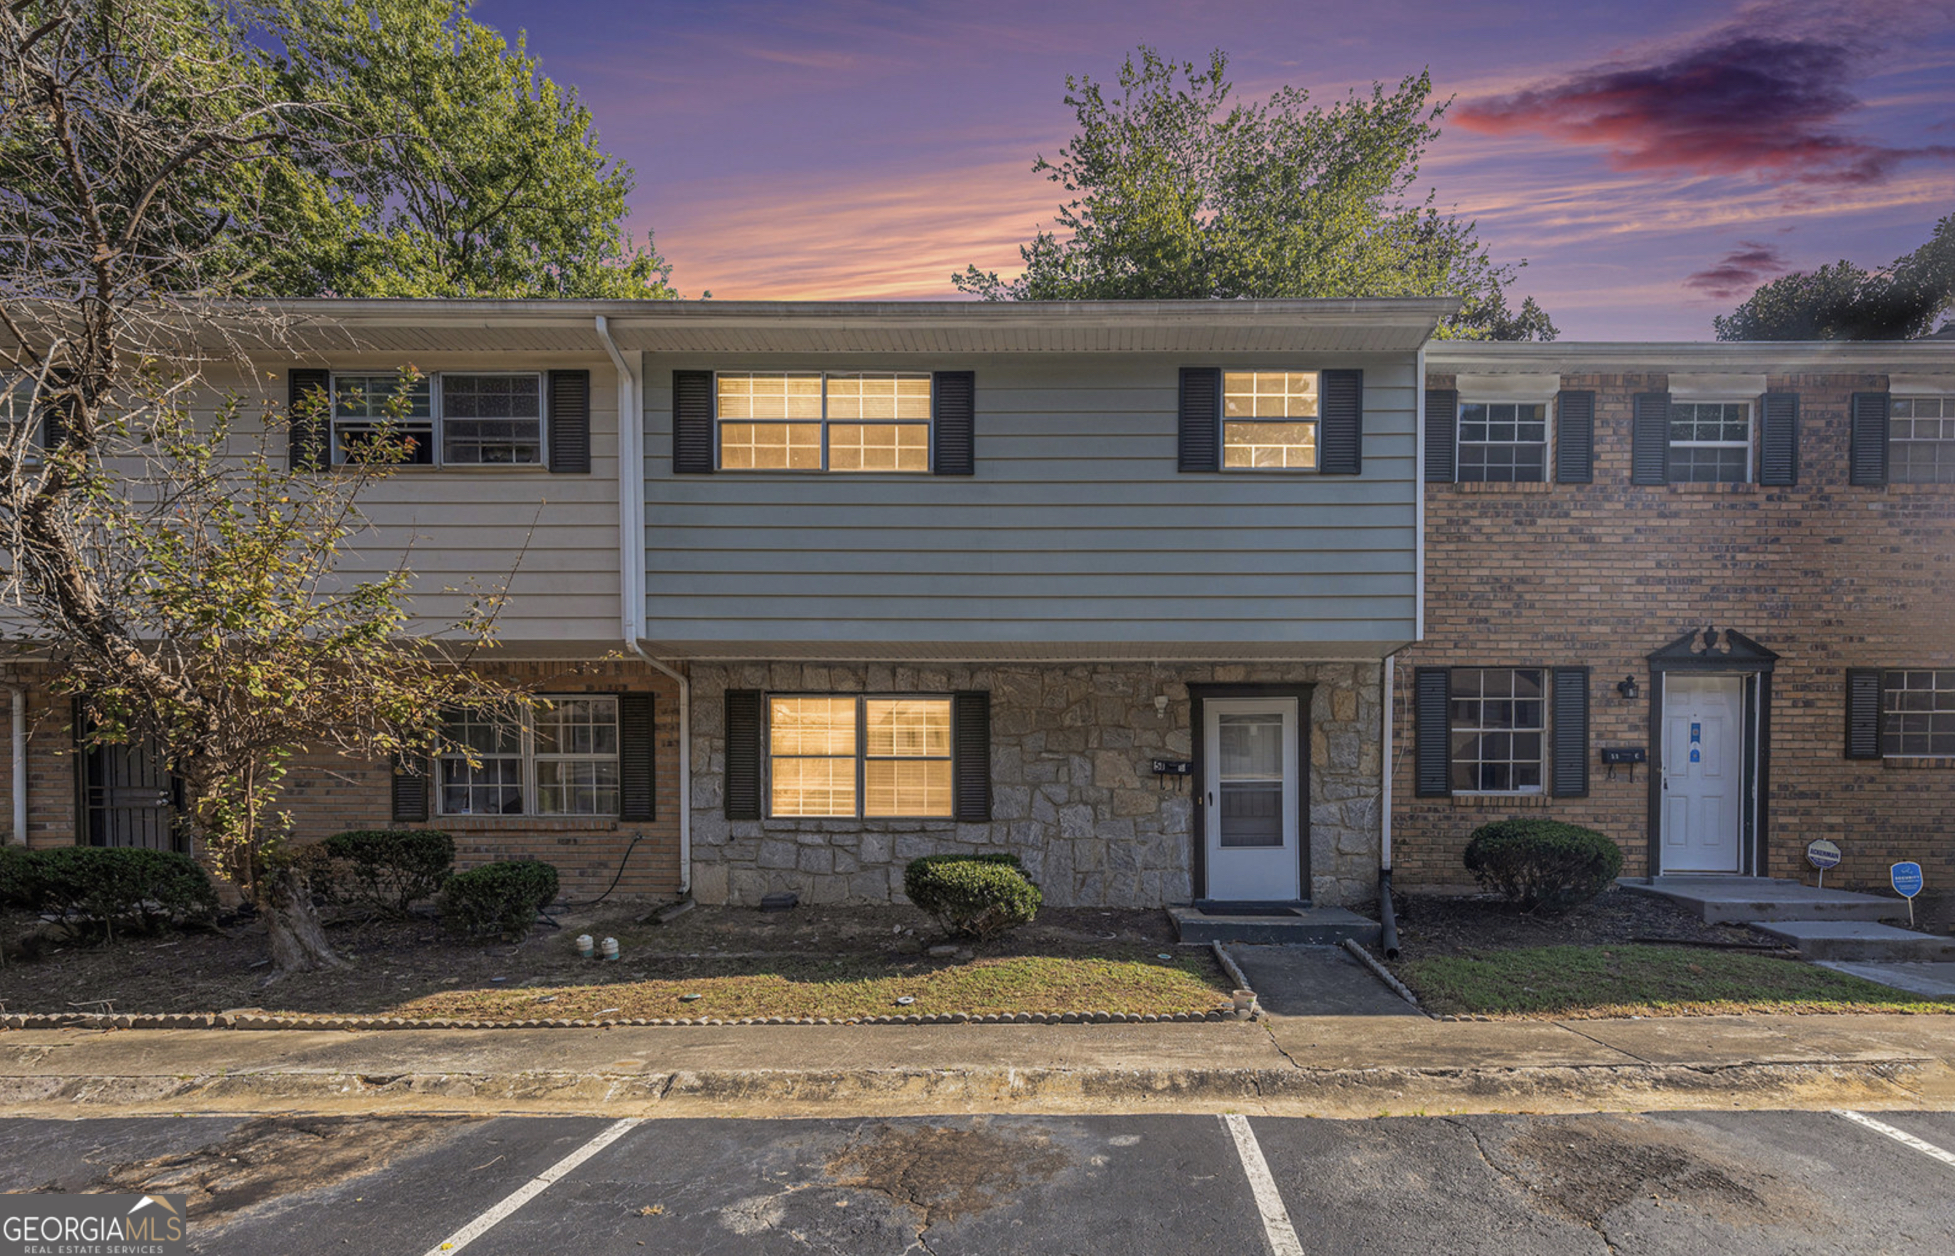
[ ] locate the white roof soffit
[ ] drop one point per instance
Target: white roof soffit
(1694, 357)
(881, 327)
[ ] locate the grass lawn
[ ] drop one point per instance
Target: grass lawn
(858, 986)
(1629, 980)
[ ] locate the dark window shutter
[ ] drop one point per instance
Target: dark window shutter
(692, 422)
(1340, 426)
(742, 788)
(1649, 455)
(570, 422)
(1574, 437)
(970, 754)
(1442, 435)
(308, 409)
(54, 414)
(1863, 713)
(1778, 439)
(637, 750)
(1432, 731)
(1570, 732)
(1868, 460)
(953, 405)
(1201, 418)
(410, 786)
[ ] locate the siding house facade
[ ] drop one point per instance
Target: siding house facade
(1698, 596)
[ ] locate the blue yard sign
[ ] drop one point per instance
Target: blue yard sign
(1906, 877)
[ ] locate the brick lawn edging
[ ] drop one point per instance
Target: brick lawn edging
(231, 1020)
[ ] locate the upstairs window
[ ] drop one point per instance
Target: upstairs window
(1497, 719)
(851, 757)
(1269, 420)
(1504, 441)
(1917, 713)
(869, 421)
(16, 406)
(450, 419)
(1921, 441)
(1710, 442)
(561, 761)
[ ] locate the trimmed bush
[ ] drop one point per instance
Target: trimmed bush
(389, 870)
(19, 880)
(106, 884)
(498, 899)
(979, 896)
(1543, 865)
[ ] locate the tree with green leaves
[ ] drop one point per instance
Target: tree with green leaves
(178, 573)
(1176, 190)
(1841, 301)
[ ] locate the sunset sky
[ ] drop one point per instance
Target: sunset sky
(1652, 162)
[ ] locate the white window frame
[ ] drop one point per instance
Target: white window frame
(929, 425)
(862, 755)
(1886, 672)
(530, 759)
(436, 436)
(1222, 421)
(17, 407)
(1751, 435)
(1547, 440)
(1547, 714)
(1947, 401)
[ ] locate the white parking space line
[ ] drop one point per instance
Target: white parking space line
(532, 1188)
(1902, 1137)
(1277, 1229)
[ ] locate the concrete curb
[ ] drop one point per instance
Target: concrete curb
(307, 1021)
(1325, 1092)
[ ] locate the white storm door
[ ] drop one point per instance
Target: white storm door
(1251, 804)
(1703, 772)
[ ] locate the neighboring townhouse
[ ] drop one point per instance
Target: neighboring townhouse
(1698, 596)
(1105, 586)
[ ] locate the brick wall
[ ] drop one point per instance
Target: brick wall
(327, 794)
(1827, 575)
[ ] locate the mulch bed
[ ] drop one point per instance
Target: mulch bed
(1430, 927)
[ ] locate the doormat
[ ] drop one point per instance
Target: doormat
(1245, 909)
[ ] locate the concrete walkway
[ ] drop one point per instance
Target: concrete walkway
(1352, 1065)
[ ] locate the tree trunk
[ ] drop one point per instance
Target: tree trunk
(298, 939)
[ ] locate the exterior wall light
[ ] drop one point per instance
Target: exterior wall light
(1627, 688)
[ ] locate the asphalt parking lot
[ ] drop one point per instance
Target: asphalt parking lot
(1690, 1182)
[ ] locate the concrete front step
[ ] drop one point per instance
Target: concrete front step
(1300, 926)
(1859, 940)
(1743, 900)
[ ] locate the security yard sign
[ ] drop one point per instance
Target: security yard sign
(1822, 855)
(1906, 877)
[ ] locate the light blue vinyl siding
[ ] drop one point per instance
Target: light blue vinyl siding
(1076, 529)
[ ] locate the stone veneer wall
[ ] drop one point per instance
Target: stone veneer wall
(1071, 793)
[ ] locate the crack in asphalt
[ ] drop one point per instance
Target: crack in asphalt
(1525, 1186)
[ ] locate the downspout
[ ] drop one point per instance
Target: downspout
(19, 835)
(631, 574)
(1387, 918)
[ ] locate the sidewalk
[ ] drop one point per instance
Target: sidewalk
(1358, 1066)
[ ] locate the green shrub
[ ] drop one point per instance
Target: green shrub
(389, 870)
(980, 896)
(19, 876)
(498, 899)
(101, 885)
(1543, 864)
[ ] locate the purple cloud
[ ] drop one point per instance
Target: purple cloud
(1739, 271)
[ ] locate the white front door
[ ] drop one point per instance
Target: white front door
(1251, 803)
(1703, 772)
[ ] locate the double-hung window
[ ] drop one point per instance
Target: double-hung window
(1504, 441)
(1498, 721)
(859, 756)
(454, 418)
(16, 406)
(1269, 420)
(1917, 713)
(562, 760)
(823, 421)
(1921, 440)
(1710, 442)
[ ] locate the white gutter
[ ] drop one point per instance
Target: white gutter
(19, 835)
(1385, 759)
(1419, 504)
(631, 573)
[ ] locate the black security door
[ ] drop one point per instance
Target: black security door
(128, 799)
